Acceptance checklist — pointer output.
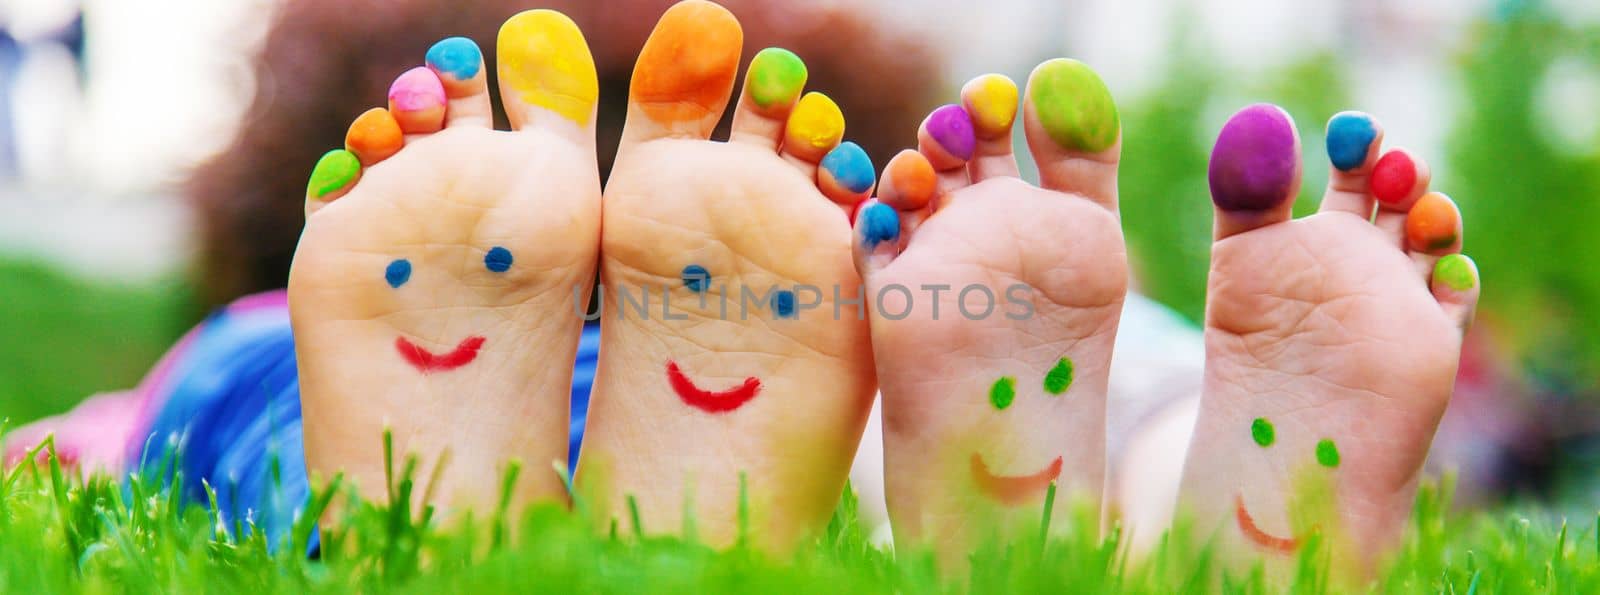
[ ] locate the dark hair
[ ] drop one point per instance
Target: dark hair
(323, 63)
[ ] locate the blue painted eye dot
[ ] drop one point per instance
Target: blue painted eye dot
(498, 260)
(398, 272)
(696, 278)
(783, 303)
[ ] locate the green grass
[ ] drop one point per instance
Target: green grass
(66, 338)
(60, 533)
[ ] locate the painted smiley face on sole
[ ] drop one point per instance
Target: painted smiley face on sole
(1265, 435)
(496, 260)
(722, 401)
(1015, 490)
(1262, 539)
(426, 361)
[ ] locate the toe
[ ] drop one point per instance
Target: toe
(947, 139)
(1399, 179)
(846, 175)
(547, 76)
(814, 128)
(877, 237)
(1255, 169)
(684, 75)
(417, 101)
(458, 63)
(1455, 284)
(336, 172)
(1353, 139)
(374, 136)
(772, 84)
(1433, 227)
(909, 185)
(991, 100)
(1073, 130)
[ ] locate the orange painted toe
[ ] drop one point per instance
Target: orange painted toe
(687, 67)
(374, 136)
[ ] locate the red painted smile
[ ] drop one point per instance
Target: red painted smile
(425, 361)
(1013, 490)
(711, 401)
(1247, 525)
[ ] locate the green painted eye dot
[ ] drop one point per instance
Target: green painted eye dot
(1327, 453)
(1059, 378)
(1003, 392)
(1263, 433)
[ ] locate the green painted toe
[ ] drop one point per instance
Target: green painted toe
(1456, 271)
(1074, 106)
(334, 171)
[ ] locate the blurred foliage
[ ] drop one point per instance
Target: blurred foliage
(1530, 201)
(65, 338)
(1530, 206)
(1167, 138)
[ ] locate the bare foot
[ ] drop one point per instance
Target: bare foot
(431, 289)
(739, 372)
(1331, 341)
(997, 306)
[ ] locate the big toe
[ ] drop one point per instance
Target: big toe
(685, 73)
(1254, 170)
(547, 76)
(1074, 130)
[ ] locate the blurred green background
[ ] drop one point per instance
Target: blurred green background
(1531, 202)
(65, 337)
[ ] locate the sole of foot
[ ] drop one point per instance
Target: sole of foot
(730, 394)
(431, 291)
(996, 308)
(1331, 341)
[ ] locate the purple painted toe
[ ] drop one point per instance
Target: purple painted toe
(1256, 161)
(952, 128)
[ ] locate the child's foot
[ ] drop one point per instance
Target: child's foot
(996, 305)
(738, 374)
(1331, 341)
(432, 291)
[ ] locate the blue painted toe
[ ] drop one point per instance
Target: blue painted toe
(458, 57)
(1350, 136)
(879, 223)
(850, 166)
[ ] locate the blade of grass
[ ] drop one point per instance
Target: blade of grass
(1044, 521)
(388, 463)
(317, 504)
(633, 514)
(744, 511)
(508, 485)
